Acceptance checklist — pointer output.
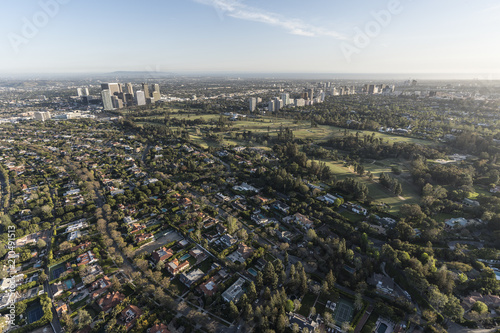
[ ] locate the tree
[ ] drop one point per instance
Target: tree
(289, 306)
(232, 224)
(252, 292)
(41, 244)
(330, 279)
(233, 311)
(480, 307)
(42, 278)
(453, 309)
(311, 234)
(281, 323)
(84, 318)
(69, 324)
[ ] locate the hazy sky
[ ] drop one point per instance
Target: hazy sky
(424, 36)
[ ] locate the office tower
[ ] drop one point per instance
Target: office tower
(252, 104)
(145, 88)
(130, 90)
(155, 92)
(270, 106)
(114, 88)
(371, 89)
(310, 93)
(278, 104)
(87, 92)
(285, 97)
(79, 92)
(42, 116)
(300, 102)
(117, 102)
(128, 99)
(322, 96)
(140, 97)
(106, 99)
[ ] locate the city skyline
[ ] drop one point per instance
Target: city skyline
(56, 36)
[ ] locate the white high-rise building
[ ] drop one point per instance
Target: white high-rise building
(285, 97)
(252, 104)
(106, 99)
(300, 102)
(79, 92)
(278, 104)
(140, 97)
(87, 92)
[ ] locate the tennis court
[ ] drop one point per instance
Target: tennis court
(344, 311)
(57, 271)
(35, 314)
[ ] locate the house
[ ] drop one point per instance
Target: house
(197, 254)
(260, 200)
(382, 283)
(239, 206)
(185, 202)
(110, 301)
(209, 288)
(162, 254)
(492, 301)
(260, 219)
(233, 293)
(355, 208)
(99, 287)
(158, 328)
(174, 267)
(456, 223)
(470, 203)
(191, 277)
(61, 308)
(328, 198)
(221, 229)
(228, 240)
(302, 322)
(129, 315)
(86, 258)
(143, 237)
(222, 197)
(57, 289)
(301, 220)
(285, 236)
(245, 188)
(282, 207)
(183, 243)
(136, 227)
(245, 251)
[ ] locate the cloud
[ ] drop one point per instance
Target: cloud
(235, 9)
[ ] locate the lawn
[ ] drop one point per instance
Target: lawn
(306, 304)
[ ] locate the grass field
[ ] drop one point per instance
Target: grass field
(306, 304)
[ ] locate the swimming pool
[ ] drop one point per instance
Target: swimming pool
(382, 328)
(69, 283)
(252, 271)
(184, 257)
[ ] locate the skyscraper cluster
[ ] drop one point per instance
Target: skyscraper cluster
(114, 96)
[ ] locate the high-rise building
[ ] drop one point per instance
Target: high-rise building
(278, 104)
(310, 93)
(270, 106)
(155, 92)
(128, 99)
(117, 102)
(87, 92)
(252, 104)
(140, 97)
(372, 89)
(285, 97)
(106, 99)
(130, 90)
(300, 102)
(145, 88)
(79, 92)
(114, 88)
(42, 115)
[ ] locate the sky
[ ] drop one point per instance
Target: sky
(250, 36)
